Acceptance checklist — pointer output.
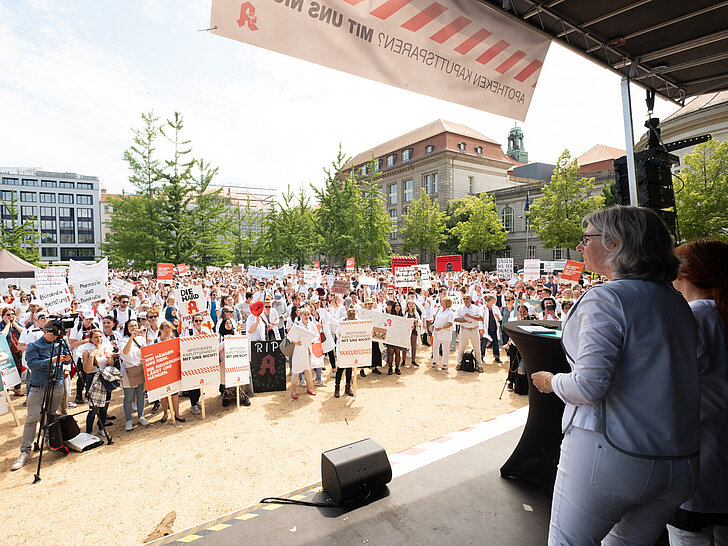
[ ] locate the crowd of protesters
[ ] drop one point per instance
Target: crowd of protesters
(460, 311)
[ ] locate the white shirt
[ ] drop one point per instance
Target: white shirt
(471, 310)
(442, 318)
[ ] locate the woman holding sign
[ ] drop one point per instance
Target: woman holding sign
(227, 328)
(166, 331)
(132, 372)
(301, 358)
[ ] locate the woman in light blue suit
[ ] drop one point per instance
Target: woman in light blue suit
(631, 422)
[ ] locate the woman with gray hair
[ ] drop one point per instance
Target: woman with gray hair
(631, 422)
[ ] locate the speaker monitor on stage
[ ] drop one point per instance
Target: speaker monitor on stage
(354, 471)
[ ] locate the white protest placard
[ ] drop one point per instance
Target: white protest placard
(413, 276)
(190, 300)
(367, 281)
(236, 365)
(57, 299)
(312, 278)
(299, 333)
(549, 266)
(263, 273)
(504, 267)
(392, 329)
(120, 286)
(51, 276)
(199, 361)
(89, 281)
(355, 344)
(531, 270)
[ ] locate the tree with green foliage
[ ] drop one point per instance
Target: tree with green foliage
(556, 216)
(455, 213)
(375, 222)
(19, 236)
(339, 217)
(296, 227)
(424, 226)
(135, 221)
(609, 193)
(483, 230)
(702, 202)
(246, 221)
(270, 243)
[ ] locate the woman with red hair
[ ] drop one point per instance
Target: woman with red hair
(703, 281)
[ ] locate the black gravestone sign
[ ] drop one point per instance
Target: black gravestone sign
(267, 366)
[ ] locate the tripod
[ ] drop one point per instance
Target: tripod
(55, 369)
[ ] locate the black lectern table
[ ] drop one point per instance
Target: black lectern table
(537, 454)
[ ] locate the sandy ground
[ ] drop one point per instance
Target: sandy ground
(203, 469)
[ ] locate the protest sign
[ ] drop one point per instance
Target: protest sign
(401, 261)
(268, 366)
(3, 401)
(504, 267)
(446, 264)
(391, 329)
(235, 369)
(365, 280)
(162, 369)
(355, 344)
(263, 273)
(191, 300)
(238, 270)
(317, 351)
(341, 286)
(312, 278)
(572, 271)
(52, 276)
(8, 370)
(165, 272)
(183, 269)
(299, 333)
(468, 53)
(119, 286)
(531, 270)
(413, 276)
(317, 265)
(56, 299)
(350, 264)
(549, 266)
(89, 281)
(199, 361)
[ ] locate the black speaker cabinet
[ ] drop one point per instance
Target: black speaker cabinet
(353, 471)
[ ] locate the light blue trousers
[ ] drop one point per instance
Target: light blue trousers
(604, 496)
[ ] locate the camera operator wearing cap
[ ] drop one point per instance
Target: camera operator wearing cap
(38, 357)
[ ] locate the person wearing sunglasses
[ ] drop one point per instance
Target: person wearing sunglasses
(198, 328)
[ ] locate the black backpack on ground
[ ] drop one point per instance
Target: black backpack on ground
(63, 427)
(468, 362)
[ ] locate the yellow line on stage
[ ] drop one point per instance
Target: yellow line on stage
(218, 527)
(247, 516)
(189, 538)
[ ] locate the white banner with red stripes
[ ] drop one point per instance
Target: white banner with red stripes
(235, 369)
(457, 50)
(355, 344)
(200, 362)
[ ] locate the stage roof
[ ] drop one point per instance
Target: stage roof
(677, 48)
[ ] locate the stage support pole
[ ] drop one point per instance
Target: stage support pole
(629, 142)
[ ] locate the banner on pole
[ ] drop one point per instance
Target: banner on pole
(401, 261)
(268, 366)
(165, 272)
(263, 273)
(199, 361)
(235, 369)
(457, 50)
(89, 281)
(162, 369)
(350, 264)
(355, 344)
(446, 264)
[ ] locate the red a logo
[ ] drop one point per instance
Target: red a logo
(192, 307)
(247, 16)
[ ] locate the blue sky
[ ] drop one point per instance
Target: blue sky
(75, 76)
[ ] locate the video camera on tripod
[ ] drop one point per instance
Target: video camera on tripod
(60, 324)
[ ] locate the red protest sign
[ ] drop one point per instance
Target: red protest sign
(402, 261)
(317, 265)
(350, 264)
(183, 269)
(165, 272)
(572, 271)
(162, 371)
(445, 264)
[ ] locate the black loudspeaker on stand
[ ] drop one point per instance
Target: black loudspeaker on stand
(354, 471)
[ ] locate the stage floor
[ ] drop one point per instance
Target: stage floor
(457, 499)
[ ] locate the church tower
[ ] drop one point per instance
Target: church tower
(515, 145)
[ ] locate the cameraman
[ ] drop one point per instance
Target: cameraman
(38, 360)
